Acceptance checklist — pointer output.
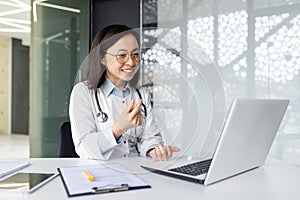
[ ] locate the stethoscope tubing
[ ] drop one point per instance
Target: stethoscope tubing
(103, 116)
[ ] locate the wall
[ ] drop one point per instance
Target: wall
(5, 77)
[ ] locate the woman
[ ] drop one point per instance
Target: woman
(110, 118)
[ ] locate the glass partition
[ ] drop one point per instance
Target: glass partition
(59, 43)
(253, 44)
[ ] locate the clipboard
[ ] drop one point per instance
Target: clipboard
(106, 178)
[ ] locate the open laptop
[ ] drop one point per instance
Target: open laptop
(244, 144)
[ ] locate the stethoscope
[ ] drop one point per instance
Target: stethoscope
(103, 117)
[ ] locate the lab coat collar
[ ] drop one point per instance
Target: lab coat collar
(109, 88)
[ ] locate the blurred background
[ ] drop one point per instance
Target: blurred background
(253, 44)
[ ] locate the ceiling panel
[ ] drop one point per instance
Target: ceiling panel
(15, 19)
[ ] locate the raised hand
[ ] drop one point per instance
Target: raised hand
(131, 117)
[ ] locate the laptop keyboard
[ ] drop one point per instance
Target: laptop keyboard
(193, 169)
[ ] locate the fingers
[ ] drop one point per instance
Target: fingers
(134, 111)
(135, 115)
(168, 152)
(137, 108)
(174, 149)
(132, 115)
(138, 119)
(130, 106)
(163, 153)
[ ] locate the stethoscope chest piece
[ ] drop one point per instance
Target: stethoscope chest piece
(102, 116)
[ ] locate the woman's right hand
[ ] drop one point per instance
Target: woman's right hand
(131, 117)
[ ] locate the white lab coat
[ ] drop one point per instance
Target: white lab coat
(94, 139)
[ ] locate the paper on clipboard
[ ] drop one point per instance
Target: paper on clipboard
(106, 177)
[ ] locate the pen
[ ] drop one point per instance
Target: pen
(117, 188)
(90, 177)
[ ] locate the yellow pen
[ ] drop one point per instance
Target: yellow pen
(90, 177)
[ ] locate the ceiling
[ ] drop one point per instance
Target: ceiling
(15, 19)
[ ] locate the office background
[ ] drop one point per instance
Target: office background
(253, 44)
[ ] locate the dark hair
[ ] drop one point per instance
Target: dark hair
(102, 41)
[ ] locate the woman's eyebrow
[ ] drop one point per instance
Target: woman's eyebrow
(135, 49)
(127, 50)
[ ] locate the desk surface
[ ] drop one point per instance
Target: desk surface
(275, 180)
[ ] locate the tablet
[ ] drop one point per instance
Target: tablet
(26, 182)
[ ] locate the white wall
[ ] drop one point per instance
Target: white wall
(5, 91)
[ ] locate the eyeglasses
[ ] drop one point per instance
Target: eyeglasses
(122, 56)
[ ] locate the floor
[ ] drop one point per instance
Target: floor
(14, 146)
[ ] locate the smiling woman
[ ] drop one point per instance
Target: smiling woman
(104, 45)
(127, 127)
(116, 70)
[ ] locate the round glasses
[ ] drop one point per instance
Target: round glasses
(122, 56)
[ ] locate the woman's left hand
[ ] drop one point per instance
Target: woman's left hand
(162, 152)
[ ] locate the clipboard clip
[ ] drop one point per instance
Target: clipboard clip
(113, 188)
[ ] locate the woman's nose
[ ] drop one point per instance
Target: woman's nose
(130, 60)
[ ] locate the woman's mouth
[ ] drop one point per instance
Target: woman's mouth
(128, 70)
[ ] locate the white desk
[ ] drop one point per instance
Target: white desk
(275, 180)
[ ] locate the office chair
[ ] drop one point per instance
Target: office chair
(66, 146)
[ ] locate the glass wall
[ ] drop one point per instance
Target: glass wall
(59, 43)
(253, 44)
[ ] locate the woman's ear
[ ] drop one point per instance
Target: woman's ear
(103, 61)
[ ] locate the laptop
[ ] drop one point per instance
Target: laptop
(243, 145)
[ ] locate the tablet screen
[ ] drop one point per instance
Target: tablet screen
(25, 181)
